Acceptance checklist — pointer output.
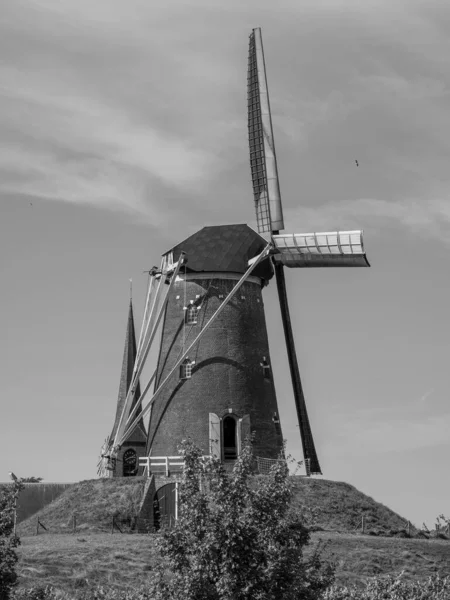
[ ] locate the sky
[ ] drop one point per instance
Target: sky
(123, 131)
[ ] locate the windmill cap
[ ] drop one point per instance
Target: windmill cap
(224, 249)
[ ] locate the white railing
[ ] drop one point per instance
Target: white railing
(161, 464)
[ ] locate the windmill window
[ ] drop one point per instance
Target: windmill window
(266, 368)
(130, 466)
(229, 425)
(191, 314)
(186, 369)
(276, 422)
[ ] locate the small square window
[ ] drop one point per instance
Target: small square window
(276, 422)
(266, 368)
(191, 314)
(186, 369)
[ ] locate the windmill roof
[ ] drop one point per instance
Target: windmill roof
(224, 249)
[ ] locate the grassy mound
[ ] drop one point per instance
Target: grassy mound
(338, 506)
(94, 503)
(325, 505)
(92, 556)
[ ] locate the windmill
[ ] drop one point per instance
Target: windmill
(213, 380)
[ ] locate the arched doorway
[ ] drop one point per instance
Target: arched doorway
(229, 438)
(130, 466)
(165, 509)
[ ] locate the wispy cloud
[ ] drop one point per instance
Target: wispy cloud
(142, 108)
(429, 218)
(80, 150)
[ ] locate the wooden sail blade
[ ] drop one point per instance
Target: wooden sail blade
(263, 163)
(327, 249)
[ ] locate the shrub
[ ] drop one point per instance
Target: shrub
(8, 540)
(390, 588)
(236, 537)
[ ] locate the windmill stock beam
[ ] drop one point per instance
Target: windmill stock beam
(309, 451)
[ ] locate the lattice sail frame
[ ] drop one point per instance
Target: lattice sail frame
(325, 249)
(263, 163)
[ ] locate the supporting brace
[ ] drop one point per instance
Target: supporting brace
(140, 360)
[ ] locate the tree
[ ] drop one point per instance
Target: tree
(31, 479)
(8, 540)
(236, 537)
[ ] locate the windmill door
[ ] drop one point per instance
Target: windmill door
(165, 509)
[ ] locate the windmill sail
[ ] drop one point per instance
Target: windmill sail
(269, 217)
(328, 249)
(263, 163)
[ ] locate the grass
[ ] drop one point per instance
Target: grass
(94, 502)
(359, 557)
(91, 556)
(338, 506)
(70, 562)
(329, 505)
(75, 562)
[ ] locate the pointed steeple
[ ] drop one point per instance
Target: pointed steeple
(129, 356)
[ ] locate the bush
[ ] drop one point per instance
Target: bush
(8, 540)
(390, 588)
(236, 537)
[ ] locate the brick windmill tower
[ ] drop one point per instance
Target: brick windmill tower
(213, 380)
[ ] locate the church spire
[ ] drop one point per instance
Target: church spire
(129, 356)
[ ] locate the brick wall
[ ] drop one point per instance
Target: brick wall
(227, 373)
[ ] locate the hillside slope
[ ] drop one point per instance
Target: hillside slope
(94, 502)
(35, 496)
(328, 505)
(339, 506)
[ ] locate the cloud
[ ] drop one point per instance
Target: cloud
(142, 108)
(426, 218)
(79, 150)
(79, 123)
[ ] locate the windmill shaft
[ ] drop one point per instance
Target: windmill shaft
(309, 450)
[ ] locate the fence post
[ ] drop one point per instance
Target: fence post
(37, 526)
(363, 523)
(409, 528)
(167, 466)
(74, 523)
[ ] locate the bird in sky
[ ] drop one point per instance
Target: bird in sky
(357, 163)
(13, 477)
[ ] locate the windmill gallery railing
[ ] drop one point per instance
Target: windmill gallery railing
(168, 465)
(161, 465)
